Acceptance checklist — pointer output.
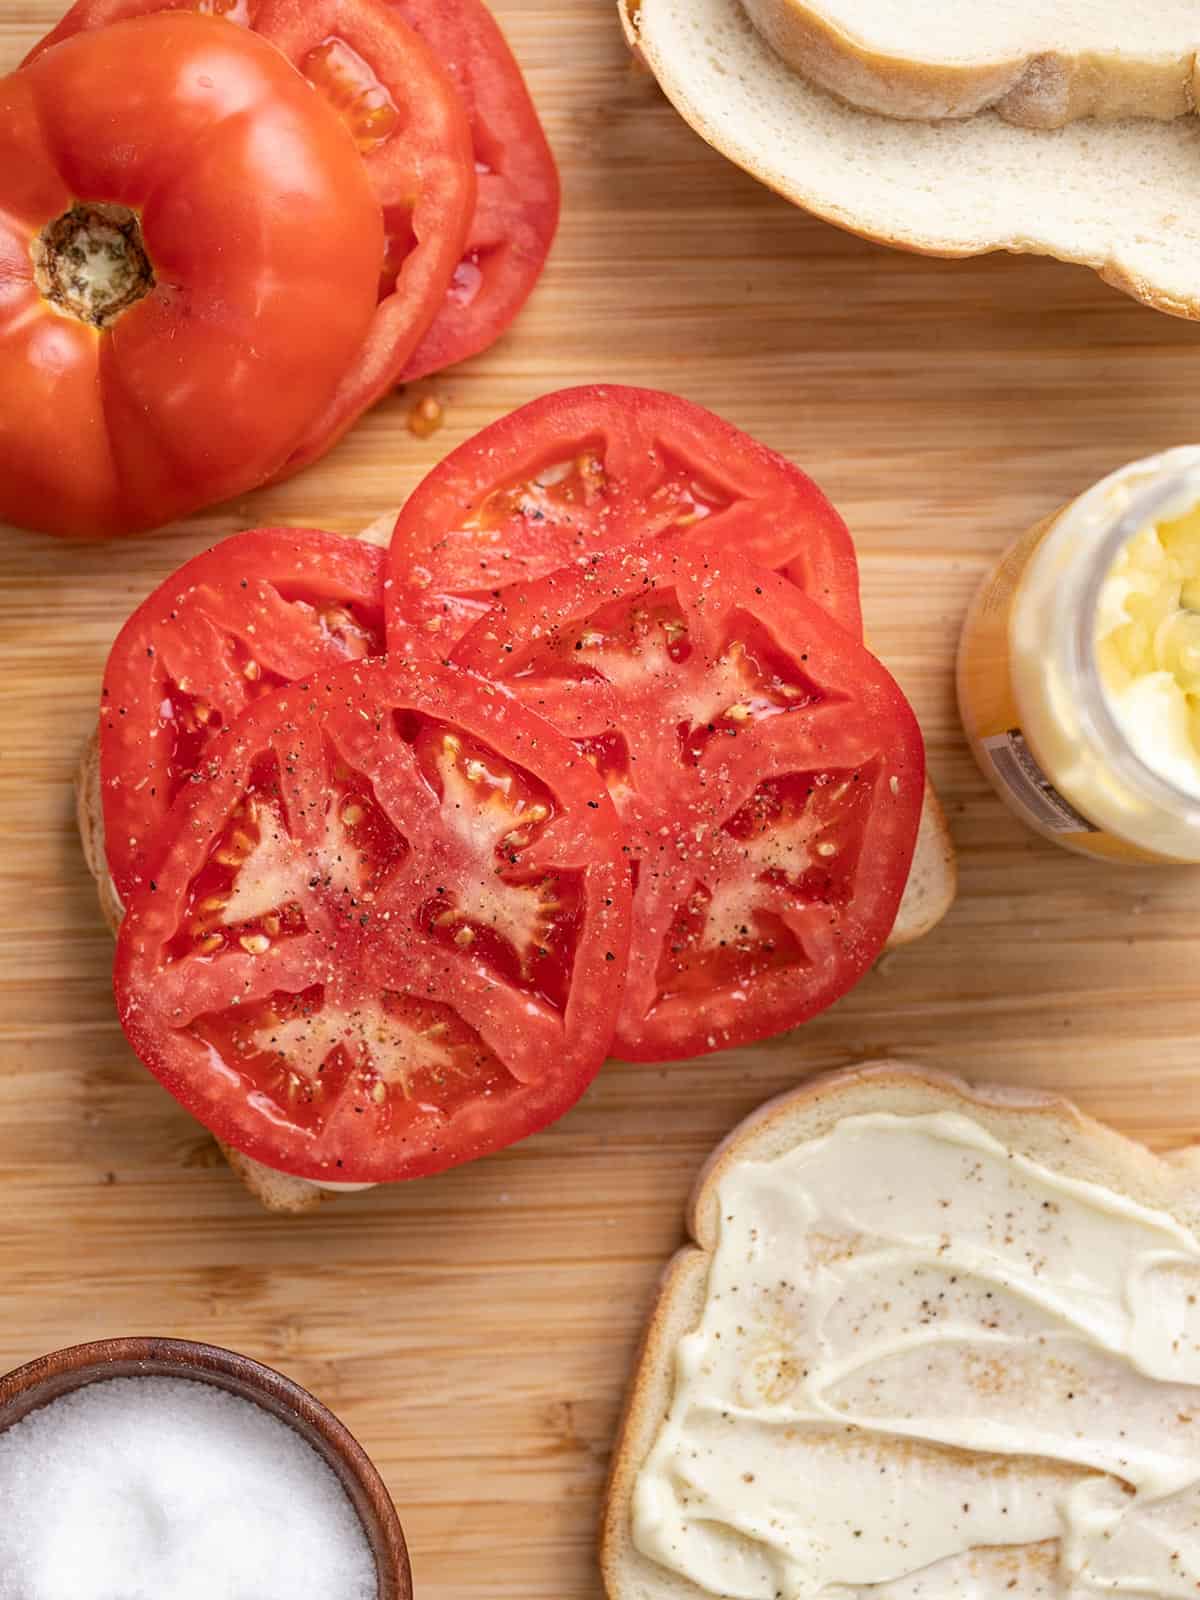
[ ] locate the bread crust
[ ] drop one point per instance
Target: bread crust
(279, 1192)
(892, 212)
(89, 817)
(1046, 1127)
(932, 879)
(1039, 85)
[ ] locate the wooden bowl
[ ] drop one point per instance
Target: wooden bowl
(62, 1371)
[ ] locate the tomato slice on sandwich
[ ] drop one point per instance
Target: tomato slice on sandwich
(587, 470)
(410, 125)
(516, 212)
(235, 623)
(767, 770)
(387, 930)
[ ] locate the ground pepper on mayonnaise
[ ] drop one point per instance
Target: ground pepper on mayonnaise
(929, 1367)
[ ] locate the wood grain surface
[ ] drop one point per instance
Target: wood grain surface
(475, 1331)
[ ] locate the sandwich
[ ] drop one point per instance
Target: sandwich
(929, 891)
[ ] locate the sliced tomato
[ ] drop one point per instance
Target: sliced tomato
(767, 770)
(255, 612)
(386, 934)
(412, 131)
(516, 213)
(587, 470)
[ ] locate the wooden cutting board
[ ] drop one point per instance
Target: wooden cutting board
(475, 1331)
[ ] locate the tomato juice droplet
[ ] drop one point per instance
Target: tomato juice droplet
(350, 85)
(425, 417)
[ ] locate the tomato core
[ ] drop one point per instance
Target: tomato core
(91, 263)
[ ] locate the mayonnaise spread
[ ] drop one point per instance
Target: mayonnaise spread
(1148, 647)
(929, 1367)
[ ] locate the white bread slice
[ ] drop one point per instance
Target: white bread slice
(1046, 1129)
(1120, 197)
(1038, 63)
(928, 896)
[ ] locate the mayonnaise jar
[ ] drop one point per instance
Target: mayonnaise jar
(1079, 668)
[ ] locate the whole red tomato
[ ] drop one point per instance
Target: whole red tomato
(401, 107)
(189, 259)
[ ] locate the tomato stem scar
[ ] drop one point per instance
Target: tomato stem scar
(91, 264)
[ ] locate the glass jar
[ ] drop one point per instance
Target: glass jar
(1041, 722)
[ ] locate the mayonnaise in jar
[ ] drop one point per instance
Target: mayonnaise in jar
(1079, 668)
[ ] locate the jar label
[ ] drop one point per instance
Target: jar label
(1015, 768)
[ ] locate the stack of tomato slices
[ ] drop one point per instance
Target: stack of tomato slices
(230, 226)
(592, 761)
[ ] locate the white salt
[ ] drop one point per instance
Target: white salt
(166, 1489)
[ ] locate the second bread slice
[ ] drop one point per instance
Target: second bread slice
(1039, 63)
(1120, 197)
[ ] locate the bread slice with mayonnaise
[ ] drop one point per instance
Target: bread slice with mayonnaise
(1121, 197)
(928, 896)
(955, 1354)
(1039, 63)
